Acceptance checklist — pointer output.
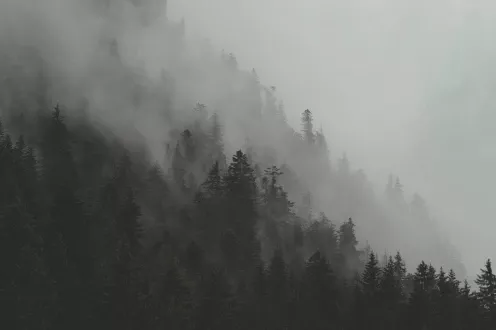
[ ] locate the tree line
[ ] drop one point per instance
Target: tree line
(93, 234)
(98, 232)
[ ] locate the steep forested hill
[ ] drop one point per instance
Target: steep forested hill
(180, 198)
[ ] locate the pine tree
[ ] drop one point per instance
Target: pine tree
(322, 235)
(240, 180)
(469, 309)
(188, 146)
(420, 298)
(443, 303)
(178, 167)
(241, 189)
(66, 232)
(453, 282)
(391, 287)
(487, 293)
(320, 293)
(400, 272)
(347, 245)
(211, 219)
(390, 294)
(216, 143)
(307, 124)
(431, 278)
(281, 114)
(213, 185)
(370, 281)
(276, 207)
(371, 276)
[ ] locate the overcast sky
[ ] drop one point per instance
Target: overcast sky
(402, 86)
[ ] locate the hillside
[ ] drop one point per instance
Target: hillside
(144, 195)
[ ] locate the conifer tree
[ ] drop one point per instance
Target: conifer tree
(486, 281)
(66, 230)
(370, 280)
(178, 167)
(469, 309)
(443, 303)
(420, 298)
(322, 235)
(213, 185)
(320, 293)
(371, 276)
(390, 294)
(241, 190)
(347, 245)
(453, 282)
(390, 286)
(307, 124)
(188, 145)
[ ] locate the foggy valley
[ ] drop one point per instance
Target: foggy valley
(256, 165)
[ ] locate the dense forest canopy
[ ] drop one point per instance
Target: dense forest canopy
(173, 193)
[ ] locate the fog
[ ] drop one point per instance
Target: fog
(401, 86)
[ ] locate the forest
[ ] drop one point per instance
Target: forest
(124, 204)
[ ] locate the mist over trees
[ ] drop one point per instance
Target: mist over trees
(173, 193)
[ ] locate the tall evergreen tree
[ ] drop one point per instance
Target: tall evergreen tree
(486, 281)
(391, 293)
(307, 125)
(370, 280)
(320, 301)
(66, 230)
(178, 167)
(347, 246)
(241, 190)
(420, 298)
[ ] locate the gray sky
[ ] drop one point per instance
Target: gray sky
(401, 86)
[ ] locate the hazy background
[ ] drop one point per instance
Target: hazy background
(401, 86)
